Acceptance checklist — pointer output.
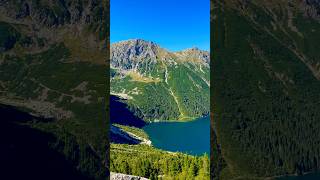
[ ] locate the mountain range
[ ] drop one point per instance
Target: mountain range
(148, 84)
(157, 84)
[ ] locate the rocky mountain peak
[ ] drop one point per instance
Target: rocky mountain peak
(130, 53)
(139, 54)
(192, 49)
(194, 54)
(136, 47)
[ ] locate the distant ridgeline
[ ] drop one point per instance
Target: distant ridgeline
(160, 85)
(52, 63)
(266, 87)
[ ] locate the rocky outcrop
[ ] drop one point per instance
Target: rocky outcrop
(132, 54)
(120, 176)
(194, 54)
(43, 23)
(54, 13)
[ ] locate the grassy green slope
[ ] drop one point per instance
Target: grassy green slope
(183, 95)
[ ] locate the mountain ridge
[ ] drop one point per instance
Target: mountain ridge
(140, 68)
(139, 50)
(156, 44)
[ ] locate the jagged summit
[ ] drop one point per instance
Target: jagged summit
(130, 53)
(194, 54)
(192, 49)
(135, 53)
(136, 42)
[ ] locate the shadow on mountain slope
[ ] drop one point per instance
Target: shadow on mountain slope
(121, 137)
(25, 151)
(120, 114)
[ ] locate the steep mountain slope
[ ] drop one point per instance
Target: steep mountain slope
(158, 84)
(149, 83)
(52, 65)
(266, 87)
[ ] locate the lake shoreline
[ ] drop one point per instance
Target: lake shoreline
(179, 121)
(191, 137)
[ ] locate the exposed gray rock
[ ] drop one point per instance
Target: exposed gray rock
(119, 176)
(140, 55)
(54, 13)
(195, 53)
(132, 54)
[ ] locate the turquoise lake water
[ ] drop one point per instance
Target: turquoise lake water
(188, 137)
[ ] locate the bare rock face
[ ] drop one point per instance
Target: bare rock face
(51, 13)
(141, 55)
(47, 22)
(195, 54)
(119, 176)
(132, 54)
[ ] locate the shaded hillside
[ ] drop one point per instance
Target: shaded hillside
(266, 83)
(52, 64)
(25, 149)
(120, 114)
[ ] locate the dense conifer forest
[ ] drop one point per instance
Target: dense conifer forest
(153, 163)
(266, 88)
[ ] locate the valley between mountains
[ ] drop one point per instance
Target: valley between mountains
(150, 85)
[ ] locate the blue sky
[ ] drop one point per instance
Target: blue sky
(173, 24)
